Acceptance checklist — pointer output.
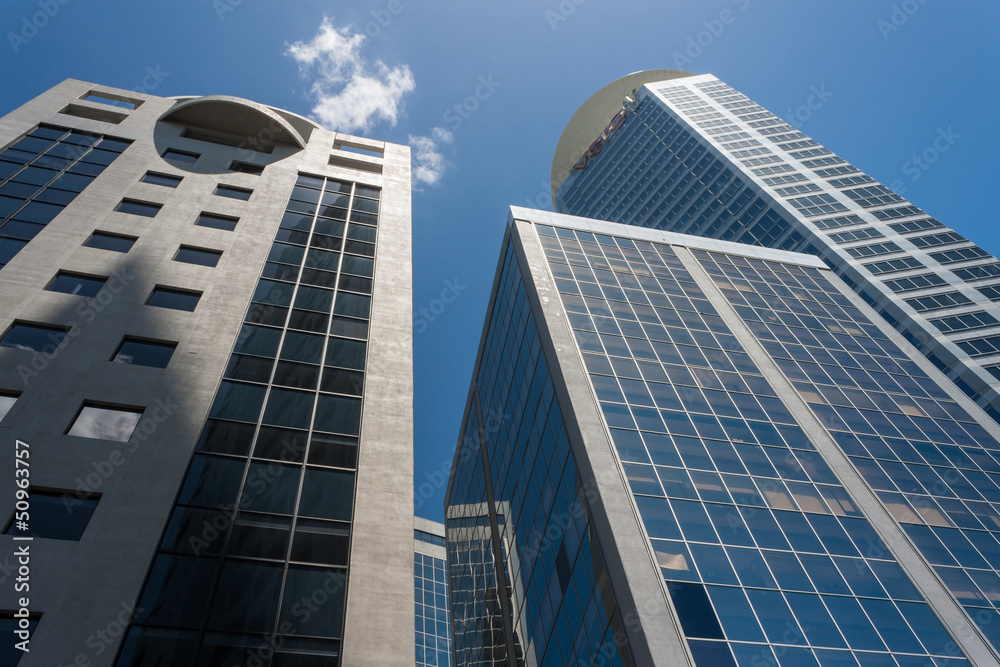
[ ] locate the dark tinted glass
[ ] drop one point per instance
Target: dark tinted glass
(327, 494)
(246, 167)
(233, 192)
(161, 179)
(136, 207)
(217, 221)
(320, 542)
(184, 157)
(56, 516)
(200, 256)
(73, 283)
(106, 241)
(144, 353)
(33, 337)
(165, 297)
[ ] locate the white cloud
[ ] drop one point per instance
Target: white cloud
(428, 163)
(351, 93)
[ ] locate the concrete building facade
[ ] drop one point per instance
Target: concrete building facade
(684, 451)
(676, 151)
(205, 342)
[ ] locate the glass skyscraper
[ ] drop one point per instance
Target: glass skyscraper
(205, 343)
(688, 153)
(432, 629)
(686, 451)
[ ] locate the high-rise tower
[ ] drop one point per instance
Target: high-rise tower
(205, 343)
(685, 451)
(687, 153)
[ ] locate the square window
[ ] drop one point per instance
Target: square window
(167, 180)
(56, 516)
(144, 352)
(217, 221)
(136, 207)
(7, 401)
(108, 241)
(246, 168)
(37, 337)
(233, 192)
(176, 299)
(103, 422)
(76, 283)
(202, 256)
(184, 157)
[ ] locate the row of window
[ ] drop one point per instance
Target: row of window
(44, 338)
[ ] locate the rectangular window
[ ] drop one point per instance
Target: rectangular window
(977, 320)
(76, 283)
(922, 281)
(960, 255)
(893, 265)
(105, 422)
(37, 337)
(90, 113)
(7, 401)
(166, 180)
(979, 347)
(979, 272)
(112, 99)
(246, 168)
(915, 225)
(233, 192)
(939, 301)
(144, 352)
(183, 157)
(217, 221)
(175, 299)
(136, 207)
(55, 519)
(202, 256)
(109, 241)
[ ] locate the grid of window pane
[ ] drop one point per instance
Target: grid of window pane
(552, 571)
(932, 466)
(280, 445)
(760, 545)
(678, 185)
(433, 637)
(43, 172)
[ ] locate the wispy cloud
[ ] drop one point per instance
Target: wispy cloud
(428, 163)
(351, 93)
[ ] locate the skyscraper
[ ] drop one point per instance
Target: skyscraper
(687, 153)
(432, 627)
(684, 451)
(206, 346)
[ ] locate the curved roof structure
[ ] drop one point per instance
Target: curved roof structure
(588, 121)
(237, 116)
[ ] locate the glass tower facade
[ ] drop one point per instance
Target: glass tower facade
(785, 480)
(693, 155)
(430, 583)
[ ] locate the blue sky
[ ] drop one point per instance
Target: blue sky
(895, 74)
